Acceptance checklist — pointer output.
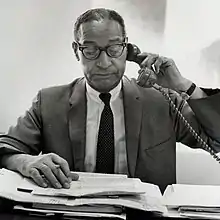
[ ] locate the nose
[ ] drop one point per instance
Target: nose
(104, 61)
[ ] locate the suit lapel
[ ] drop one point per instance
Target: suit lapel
(133, 115)
(77, 124)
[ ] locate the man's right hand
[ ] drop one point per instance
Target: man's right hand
(46, 170)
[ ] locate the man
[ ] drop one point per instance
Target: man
(105, 122)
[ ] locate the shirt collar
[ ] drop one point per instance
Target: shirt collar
(93, 94)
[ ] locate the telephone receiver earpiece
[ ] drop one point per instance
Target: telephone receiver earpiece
(143, 80)
(132, 52)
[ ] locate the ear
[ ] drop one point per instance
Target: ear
(126, 41)
(75, 49)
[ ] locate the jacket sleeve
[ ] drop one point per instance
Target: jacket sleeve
(208, 112)
(197, 113)
(25, 137)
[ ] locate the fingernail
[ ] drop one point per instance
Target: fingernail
(141, 70)
(44, 185)
(66, 185)
(58, 185)
(69, 179)
(74, 177)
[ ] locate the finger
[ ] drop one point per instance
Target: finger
(57, 171)
(38, 179)
(141, 57)
(144, 55)
(74, 176)
(167, 62)
(146, 78)
(149, 61)
(142, 79)
(64, 166)
(49, 175)
(158, 64)
(142, 64)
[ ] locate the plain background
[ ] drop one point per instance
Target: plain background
(36, 37)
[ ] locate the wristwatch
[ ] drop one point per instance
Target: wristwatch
(191, 89)
(186, 94)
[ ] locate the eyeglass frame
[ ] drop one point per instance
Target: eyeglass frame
(82, 47)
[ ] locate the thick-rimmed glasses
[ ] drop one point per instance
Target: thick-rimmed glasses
(93, 52)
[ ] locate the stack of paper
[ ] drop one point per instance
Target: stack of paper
(94, 195)
(105, 195)
(193, 201)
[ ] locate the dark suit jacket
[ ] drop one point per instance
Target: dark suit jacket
(56, 122)
(208, 111)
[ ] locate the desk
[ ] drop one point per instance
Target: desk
(8, 216)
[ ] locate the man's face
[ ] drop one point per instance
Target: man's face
(105, 72)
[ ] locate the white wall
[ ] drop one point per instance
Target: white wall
(196, 167)
(191, 26)
(35, 52)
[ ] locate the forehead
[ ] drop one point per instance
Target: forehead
(100, 32)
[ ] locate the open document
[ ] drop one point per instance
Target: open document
(101, 193)
(96, 186)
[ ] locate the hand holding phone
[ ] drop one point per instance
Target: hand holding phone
(156, 69)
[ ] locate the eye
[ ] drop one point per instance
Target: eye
(115, 49)
(90, 50)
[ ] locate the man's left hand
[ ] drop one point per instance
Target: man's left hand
(161, 70)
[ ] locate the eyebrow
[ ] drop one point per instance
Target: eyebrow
(88, 42)
(116, 39)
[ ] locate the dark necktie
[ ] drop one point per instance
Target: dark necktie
(105, 144)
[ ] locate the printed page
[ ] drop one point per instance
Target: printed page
(151, 200)
(200, 215)
(101, 175)
(9, 179)
(49, 212)
(192, 195)
(84, 177)
(103, 208)
(95, 187)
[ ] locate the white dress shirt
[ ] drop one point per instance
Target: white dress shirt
(94, 110)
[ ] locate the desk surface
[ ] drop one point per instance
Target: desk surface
(20, 217)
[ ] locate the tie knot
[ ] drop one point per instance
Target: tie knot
(105, 97)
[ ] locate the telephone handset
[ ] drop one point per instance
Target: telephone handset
(133, 51)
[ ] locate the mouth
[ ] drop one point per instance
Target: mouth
(102, 76)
